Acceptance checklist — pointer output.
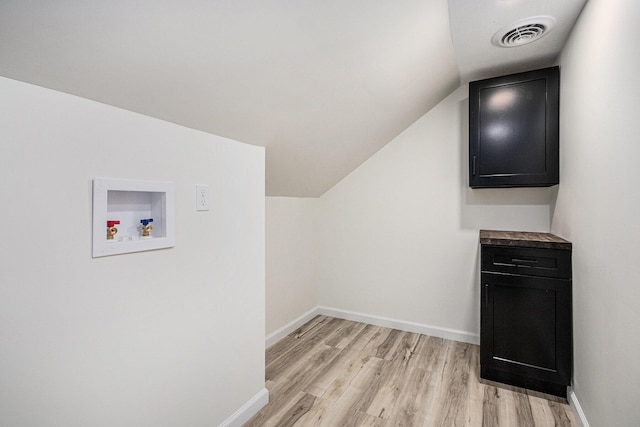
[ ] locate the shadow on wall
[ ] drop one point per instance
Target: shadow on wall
(499, 208)
(553, 201)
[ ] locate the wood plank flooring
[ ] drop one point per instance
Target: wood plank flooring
(334, 372)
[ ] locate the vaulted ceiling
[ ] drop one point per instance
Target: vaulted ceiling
(321, 84)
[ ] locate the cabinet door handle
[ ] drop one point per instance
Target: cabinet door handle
(473, 165)
(486, 294)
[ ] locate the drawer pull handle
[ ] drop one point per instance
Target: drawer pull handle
(524, 261)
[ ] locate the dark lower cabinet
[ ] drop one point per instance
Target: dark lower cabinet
(526, 333)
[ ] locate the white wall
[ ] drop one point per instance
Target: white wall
(399, 235)
(291, 225)
(598, 206)
(172, 337)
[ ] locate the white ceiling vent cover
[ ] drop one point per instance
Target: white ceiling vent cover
(523, 31)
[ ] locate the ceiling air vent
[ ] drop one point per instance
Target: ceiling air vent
(523, 31)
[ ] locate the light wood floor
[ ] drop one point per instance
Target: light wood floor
(333, 372)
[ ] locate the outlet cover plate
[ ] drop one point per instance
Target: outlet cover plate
(202, 197)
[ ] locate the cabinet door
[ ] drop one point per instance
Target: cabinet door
(514, 130)
(526, 326)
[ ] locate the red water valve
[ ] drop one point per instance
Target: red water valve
(111, 230)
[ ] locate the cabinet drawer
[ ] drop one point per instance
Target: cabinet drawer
(526, 261)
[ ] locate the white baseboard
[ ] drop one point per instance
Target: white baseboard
(248, 410)
(434, 331)
(577, 409)
(282, 332)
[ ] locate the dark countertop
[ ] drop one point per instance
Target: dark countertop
(524, 239)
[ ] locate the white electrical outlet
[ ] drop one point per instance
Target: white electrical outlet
(202, 197)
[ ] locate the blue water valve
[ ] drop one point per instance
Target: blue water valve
(146, 228)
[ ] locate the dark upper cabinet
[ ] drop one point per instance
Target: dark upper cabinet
(513, 130)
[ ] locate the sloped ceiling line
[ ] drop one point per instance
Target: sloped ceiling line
(322, 85)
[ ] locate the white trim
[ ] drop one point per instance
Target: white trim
(419, 328)
(282, 332)
(248, 410)
(577, 409)
(434, 331)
